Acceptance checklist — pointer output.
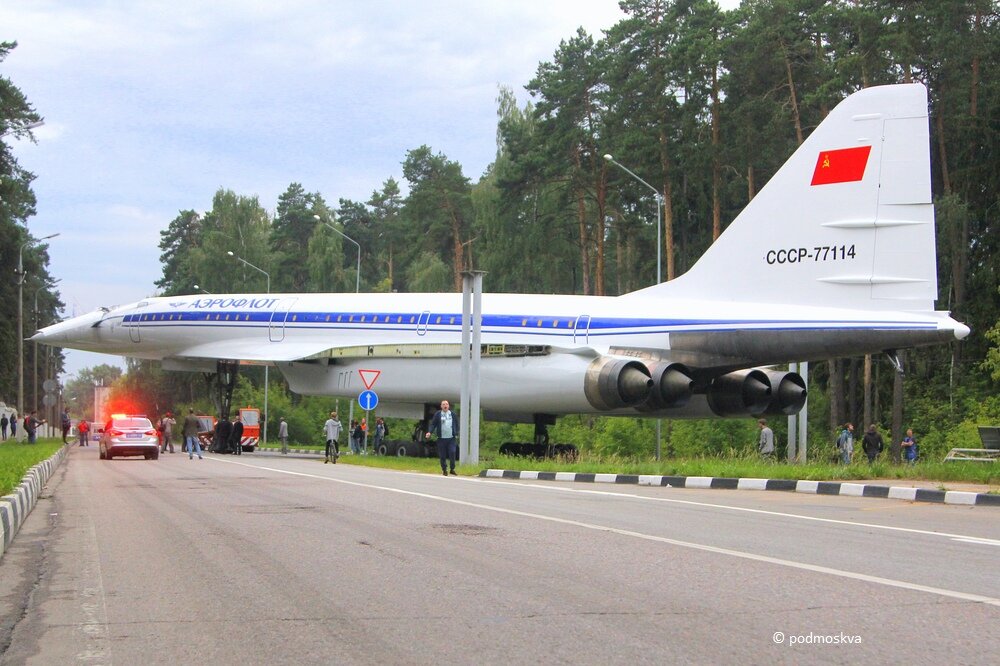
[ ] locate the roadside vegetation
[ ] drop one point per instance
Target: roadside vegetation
(16, 458)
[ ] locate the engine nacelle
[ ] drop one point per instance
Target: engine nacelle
(672, 386)
(756, 392)
(613, 383)
(740, 393)
(788, 393)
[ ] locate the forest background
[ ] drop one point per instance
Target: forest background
(705, 104)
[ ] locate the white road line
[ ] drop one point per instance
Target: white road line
(982, 542)
(743, 509)
(889, 582)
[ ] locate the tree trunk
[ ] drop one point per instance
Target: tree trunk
(867, 407)
(581, 214)
(836, 394)
(852, 395)
(668, 207)
(581, 217)
(942, 151)
(600, 228)
(751, 187)
(792, 97)
(716, 166)
(974, 84)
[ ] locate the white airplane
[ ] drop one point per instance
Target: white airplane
(834, 257)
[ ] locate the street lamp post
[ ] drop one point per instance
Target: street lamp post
(34, 358)
(266, 367)
(357, 289)
(29, 126)
(357, 282)
(659, 210)
(202, 290)
(659, 225)
(20, 320)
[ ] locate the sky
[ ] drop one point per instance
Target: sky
(151, 106)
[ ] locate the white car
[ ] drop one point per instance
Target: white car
(129, 436)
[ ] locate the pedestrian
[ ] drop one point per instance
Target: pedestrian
(31, 424)
(872, 443)
(355, 437)
(67, 424)
(283, 434)
(444, 426)
(83, 430)
(168, 423)
(364, 436)
(766, 443)
(236, 437)
(845, 443)
(910, 447)
(223, 429)
(192, 445)
(3, 426)
(379, 434)
(13, 425)
(331, 429)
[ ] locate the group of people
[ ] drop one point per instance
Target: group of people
(358, 436)
(871, 443)
(9, 421)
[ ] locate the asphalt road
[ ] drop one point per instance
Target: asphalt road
(264, 559)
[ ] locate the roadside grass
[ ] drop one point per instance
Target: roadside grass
(16, 458)
(731, 466)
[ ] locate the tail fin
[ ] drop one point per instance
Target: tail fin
(848, 220)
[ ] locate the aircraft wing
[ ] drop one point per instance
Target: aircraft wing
(254, 351)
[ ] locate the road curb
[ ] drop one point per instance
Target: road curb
(786, 485)
(15, 507)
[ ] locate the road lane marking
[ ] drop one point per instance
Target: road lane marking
(802, 566)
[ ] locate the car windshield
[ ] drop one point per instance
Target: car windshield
(250, 418)
(141, 424)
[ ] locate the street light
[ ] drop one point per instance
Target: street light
(268, 276)
(29, 126)
(357, 283)
(659, 209)
(20, 320)
(34, 359)
(198, 287)
(357, 289)
(659, 248)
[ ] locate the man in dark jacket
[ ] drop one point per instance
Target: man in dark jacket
(444, 426)
(872, 443)
(223, 430)
(236, 438)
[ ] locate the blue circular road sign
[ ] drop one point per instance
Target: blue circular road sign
(368, 400)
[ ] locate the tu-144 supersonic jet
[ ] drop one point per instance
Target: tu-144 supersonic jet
(834, 257)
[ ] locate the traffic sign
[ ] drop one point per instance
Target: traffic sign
(369, 377)
(50, 385)
(48, 400)
(368, 400)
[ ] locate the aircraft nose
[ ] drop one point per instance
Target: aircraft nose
(78, 329)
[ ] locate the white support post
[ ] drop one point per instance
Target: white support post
(463, 415)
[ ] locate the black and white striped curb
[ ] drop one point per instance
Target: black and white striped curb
(15, 507)
(787, 485)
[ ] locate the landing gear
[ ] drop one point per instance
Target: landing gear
(542, 447)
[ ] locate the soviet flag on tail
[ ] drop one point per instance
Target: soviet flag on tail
(845, 165)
